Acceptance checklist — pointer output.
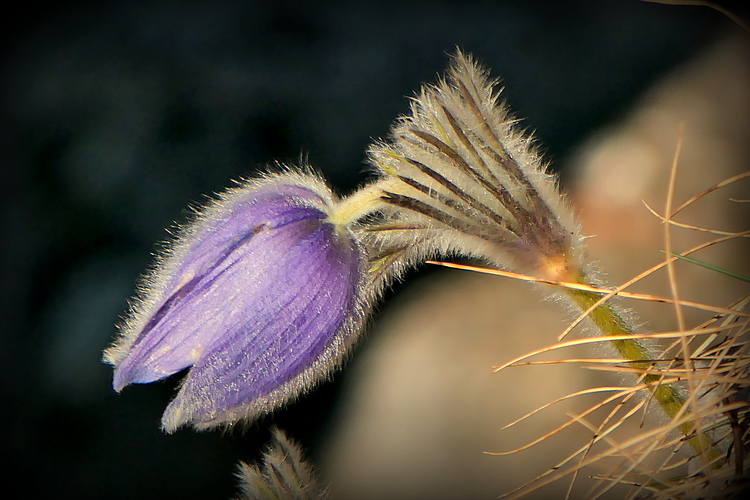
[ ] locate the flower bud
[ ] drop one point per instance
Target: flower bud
(261, 297)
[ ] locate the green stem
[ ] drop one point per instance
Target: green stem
(670, 399)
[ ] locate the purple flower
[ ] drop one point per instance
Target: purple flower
(261, 297)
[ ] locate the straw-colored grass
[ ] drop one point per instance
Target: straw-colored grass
(698, 448)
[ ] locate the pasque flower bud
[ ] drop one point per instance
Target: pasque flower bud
(261, 296)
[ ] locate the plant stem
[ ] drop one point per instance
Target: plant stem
(610, 323)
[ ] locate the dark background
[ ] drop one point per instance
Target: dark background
(116, 116)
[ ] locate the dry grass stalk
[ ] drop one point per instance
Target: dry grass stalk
(707, 364)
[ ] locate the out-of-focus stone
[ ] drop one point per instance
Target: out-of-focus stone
(422, 402)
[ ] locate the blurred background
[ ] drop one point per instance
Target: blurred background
(117, 116)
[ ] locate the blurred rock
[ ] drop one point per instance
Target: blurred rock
(422, 402)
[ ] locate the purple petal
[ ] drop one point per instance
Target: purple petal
(304, 301)
(261, 297)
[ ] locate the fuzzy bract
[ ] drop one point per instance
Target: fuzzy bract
(458, 176)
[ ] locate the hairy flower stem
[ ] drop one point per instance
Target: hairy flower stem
(611, 324)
